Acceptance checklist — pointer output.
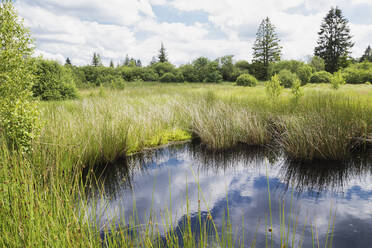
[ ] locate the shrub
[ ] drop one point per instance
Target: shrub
(337, 80)
(179, 77)
(290, 65)
(358, 73)
(246, 80)
(317, 64)
(163, 68)
(287, 78)
(321, 77)
(296, 90)
(213, 77)
(53, 81)
(368, 83)
(18, 113)
(168, 77)
(273, 88)
(189, 73)
(304, 74)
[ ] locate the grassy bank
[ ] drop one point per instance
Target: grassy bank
(40, 193)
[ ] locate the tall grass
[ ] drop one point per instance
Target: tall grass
(42, 197)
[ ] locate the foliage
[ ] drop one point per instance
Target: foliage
(337, 80)
(206, 70)
(53, 81)
(358, 73)
(96, 60)
(243, 66)
(367, 56)
(317, 63)
(163, 67)
(296, 90)
(334, 40)
(266, 48)
(189, 73)
(273, 88)
(304, 74)
(287, 78)
(19, 123)
(68, 61)
(228, 71)
(246, 80)
(163, 58)
(291, 65)
(168, 78)
(321, 77)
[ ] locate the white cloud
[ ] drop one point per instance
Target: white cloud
(77, 28)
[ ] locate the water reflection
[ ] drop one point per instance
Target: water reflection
(159, 179)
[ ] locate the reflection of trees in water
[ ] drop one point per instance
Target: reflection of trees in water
(314, 177)
(325, 176)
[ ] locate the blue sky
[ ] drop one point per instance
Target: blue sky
(188, 28)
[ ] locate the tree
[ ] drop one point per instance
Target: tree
(127, 60)
(153, 60)
(228, 70)
(112, 64)
(68, 61)
(266, 48)
(18, 112)
(162, 54)
(367, 55)
(334, 40)
(96, 60)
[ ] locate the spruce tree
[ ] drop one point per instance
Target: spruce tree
(334, 40)
(266, 48)
(162, 54)
(68, 61)
(112, 64)
(96, 60)
(127, 60)
(367, 56)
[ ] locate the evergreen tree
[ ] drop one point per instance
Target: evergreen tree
(112, 64)
(367, 56)
(127, 60)
(334, 40)
(162, 54)
(68, 61)
(96, 60)
(138, 63)
(153, 60)
(266, 48)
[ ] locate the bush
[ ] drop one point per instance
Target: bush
(321, 77)
(304, 74)
(19, 122)
(168, 78)
(53, 82)
(189, 73)
(287, 78)
(273, 88)
(246, 80)
(179, 77)
(337, 80)
(290, 65)
(358, 73)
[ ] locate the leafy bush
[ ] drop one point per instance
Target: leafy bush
(163, 68)
(317, 63)
(179, 77)
(19, 123)
(287, 78)
(358, 73)
(246, 80)
(304, 74)
(168, 78)
(296, 90)
(189, 73)
(321, 77)
(51, 82)
(273, 88)
(337, 80)
(290, 65)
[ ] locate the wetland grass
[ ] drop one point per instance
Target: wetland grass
(42, 197)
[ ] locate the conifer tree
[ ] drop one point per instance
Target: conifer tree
(112, 64)
(162, 54)
(334, 40)
(266, 48)
(96, 60)
(367, 56)
(68, 61)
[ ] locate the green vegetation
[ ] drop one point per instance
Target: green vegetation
(246, 80)
(18, 113)
(321, 77)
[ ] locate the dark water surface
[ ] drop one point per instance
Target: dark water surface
(158, 180)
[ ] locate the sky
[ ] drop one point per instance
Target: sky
(188, 28)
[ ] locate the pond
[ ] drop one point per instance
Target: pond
(163, 181)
